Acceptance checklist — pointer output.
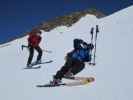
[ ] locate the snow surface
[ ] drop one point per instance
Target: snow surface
(113, 71)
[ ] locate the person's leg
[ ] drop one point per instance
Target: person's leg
(39, 50)
(31, 53)
(67, 66)
(77, 67)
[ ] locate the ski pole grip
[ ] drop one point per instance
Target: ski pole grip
(23, 46)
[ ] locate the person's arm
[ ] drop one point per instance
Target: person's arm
(85, 45)
(29, 40)
(70, 53)
(40, 38)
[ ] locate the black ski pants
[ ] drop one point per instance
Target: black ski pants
(71, 65)
(31, 53)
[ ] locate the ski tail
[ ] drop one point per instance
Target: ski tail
(49, 85)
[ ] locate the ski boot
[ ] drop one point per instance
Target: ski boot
(68, 75)
(29, 66)
(55, 82)
(37, 62)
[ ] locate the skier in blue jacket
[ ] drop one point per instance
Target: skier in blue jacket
(75, 60)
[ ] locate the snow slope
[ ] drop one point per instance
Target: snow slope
(113, 71)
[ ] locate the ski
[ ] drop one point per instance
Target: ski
(32, 67)
(78, 82)
(37, 66)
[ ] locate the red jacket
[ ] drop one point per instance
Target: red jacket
(34, 40)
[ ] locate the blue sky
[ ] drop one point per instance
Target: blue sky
(19, 16)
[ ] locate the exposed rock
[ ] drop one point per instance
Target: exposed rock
(68, 20)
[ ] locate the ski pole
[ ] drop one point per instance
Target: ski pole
(92, 32)
(25, 46)
(97, 31)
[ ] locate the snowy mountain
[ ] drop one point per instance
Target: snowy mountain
(113, 71)
(69, 19)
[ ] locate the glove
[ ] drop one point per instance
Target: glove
(84, 43)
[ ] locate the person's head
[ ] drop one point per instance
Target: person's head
(91, 46)
(35, 31)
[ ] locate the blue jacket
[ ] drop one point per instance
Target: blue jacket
(82, 54)
(82, 51)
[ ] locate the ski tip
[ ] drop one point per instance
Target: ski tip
(91, 79)
(87, 81)
(50, 61)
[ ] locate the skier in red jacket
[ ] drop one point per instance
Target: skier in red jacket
(33, 44)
